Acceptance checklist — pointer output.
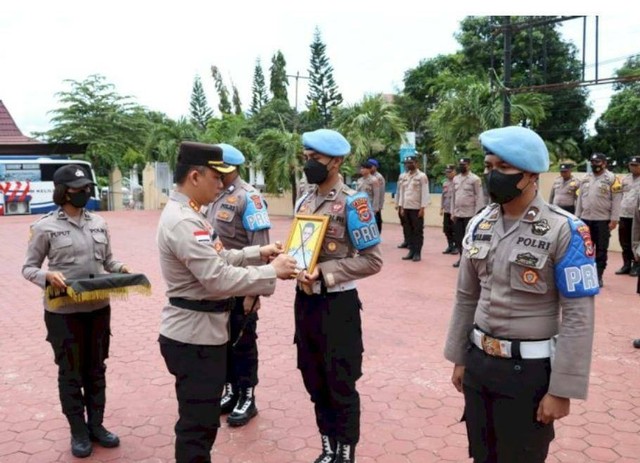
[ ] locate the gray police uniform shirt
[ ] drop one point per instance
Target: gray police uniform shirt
(563, 192)
(599, 197)
(413, 190)
(339, 261)
(226, 215)
(75, 247)
(630, 192)
(381, 191)
(467, 196)
(635, 229)
(506, 287)
(371, 187)
(196, 267)
(447, 194)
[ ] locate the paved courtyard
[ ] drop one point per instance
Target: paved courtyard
(410, 411)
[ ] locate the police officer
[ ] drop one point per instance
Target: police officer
(202, 279)
(630, 192)
(413, 198)
(445, 209)
(599, 207)
(564, 188)
(368, 183)
(401, 217)
(525, 290)
(467, 199)
(76, 243)
(381, 191)
(239, 217)
(330, 359)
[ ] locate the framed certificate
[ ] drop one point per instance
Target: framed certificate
(305, 240)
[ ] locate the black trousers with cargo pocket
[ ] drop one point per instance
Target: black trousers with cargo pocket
(328, 337)
(80, 343)
(501, 402)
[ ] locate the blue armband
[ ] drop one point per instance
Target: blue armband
(255, 217)
(361, 223)
(576, 274)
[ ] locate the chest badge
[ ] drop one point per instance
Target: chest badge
(526, 258)
(485, 225)
(541, 228)
(530, 277)
(332, 246)
(232, 199)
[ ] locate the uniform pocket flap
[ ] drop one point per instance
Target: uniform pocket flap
(527, 258)
(99, 238)
(61, 242)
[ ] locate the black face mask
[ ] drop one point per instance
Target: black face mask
(315, 171)
(502, 187)
(78, 199)
(596, 168)
(463, 168)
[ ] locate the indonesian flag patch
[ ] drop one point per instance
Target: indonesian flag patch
(202, 236)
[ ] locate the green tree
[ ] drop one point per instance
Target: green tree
(280, 159)
(223, 94)
(259, 90)
(164, 137)
(237, 104)
(91, 112)
(199, 108)
(323, 91)
(278, 81)
(373, 127)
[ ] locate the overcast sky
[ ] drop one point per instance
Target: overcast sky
(153, 50)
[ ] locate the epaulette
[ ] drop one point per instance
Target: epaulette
(348, 190)
(559, 210)
(46, 216)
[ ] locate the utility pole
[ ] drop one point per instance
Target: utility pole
(506, 119)
(297, 76)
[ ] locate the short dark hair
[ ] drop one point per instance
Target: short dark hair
(60, 194)
(182, 170)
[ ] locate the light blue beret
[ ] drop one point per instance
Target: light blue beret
(327, 142)
(520, 147)
(231, 155)
(374, 162)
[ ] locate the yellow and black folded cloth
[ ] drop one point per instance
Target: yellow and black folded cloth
(97, 287)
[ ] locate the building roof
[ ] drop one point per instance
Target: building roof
(9, 131)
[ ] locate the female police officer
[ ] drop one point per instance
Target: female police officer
(525, 292)
(76, 244)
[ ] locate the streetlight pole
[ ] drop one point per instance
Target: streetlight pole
(297, 76)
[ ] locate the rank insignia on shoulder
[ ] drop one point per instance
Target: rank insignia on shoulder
(194, 205)
(232, 199)
(540, 228)
(485, 225)
(532, 213)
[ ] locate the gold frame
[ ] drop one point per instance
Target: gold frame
(295, 238)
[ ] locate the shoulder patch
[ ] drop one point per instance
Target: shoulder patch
(361, 224)
(255, 217)
(616, 186)
(576, 274)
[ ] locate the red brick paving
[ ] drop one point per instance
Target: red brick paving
(410, 411)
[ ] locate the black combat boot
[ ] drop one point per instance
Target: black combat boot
(416, 256)
(457, 264)
(403, 245)
(80, 442)
(625, 269)
(97, 431)
(328, 450)
(245, 409)
(409, 256)
(635, 269)
(449, 249)
(345, 453)
(228, 400)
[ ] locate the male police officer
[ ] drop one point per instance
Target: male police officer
(239, 217)
(630, 192)
(328, 332)
(445, 209)
(381, 190)
(525, 290)
(413, 198)
(599, 207)
(564, 188)
(466, 201)
(202, 279)
(368, 183)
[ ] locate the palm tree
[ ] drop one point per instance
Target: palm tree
(372, 126)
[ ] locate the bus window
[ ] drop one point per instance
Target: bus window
(18, 172)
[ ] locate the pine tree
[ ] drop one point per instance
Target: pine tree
(279, 80)
(199, 108)
(223, 94)
(237, 104)
(323, 91)
(259, 90)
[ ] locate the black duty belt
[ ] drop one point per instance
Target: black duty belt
(224, 305)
